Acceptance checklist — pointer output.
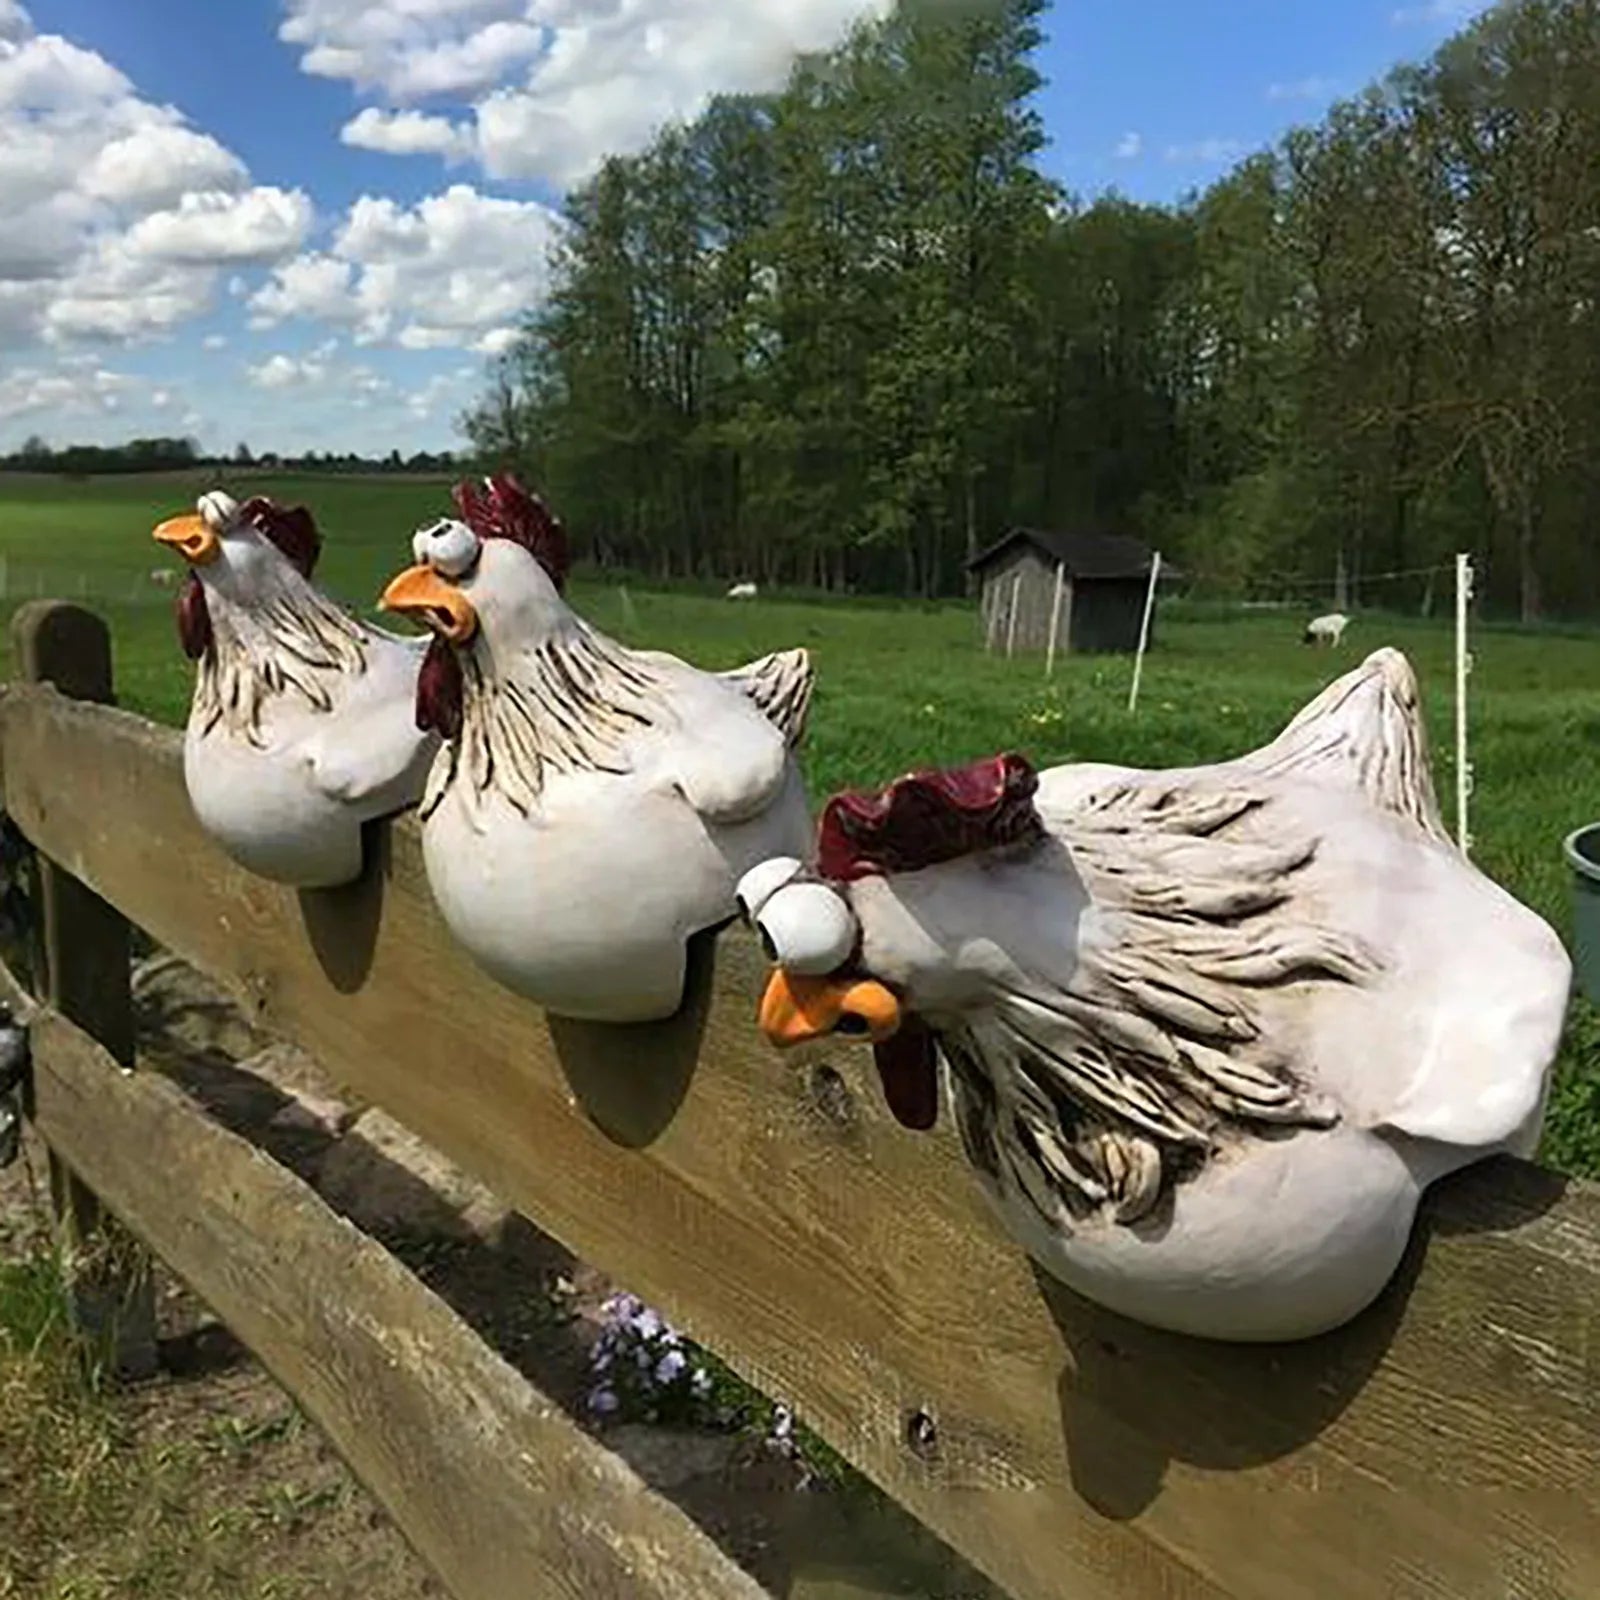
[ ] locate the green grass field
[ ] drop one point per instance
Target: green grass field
(910, 685)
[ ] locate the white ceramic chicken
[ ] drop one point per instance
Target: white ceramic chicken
(594, 806)
(1210, 1032)
(302, 725)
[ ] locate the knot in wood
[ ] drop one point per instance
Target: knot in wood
(922, 1435)
(831, 1095)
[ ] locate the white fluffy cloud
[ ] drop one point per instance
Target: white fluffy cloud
(258, 227)
(14, 21)
(454, 271)
(321, 379)
(69, 388)
(409, 49)
(1129, 147)
(312, 286)
(407, 133)
(159, 163)
(114, 214)
(551, 87)
(118, 295)
(287, 372)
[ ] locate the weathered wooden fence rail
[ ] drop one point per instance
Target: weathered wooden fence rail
(1448, 1444)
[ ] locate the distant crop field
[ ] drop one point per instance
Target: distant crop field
(911, 686)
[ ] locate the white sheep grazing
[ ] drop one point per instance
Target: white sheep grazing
(742, 591)
(1328, 630)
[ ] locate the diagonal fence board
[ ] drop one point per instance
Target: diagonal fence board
(1444, 1444)
(501, 1492)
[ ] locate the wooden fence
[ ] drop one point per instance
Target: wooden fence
(1446, 1445)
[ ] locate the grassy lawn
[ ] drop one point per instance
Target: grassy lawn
(901, 686)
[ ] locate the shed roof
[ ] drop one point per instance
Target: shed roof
(1084, 554)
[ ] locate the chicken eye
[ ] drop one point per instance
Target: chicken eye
(452, 548)
(807, 929)
(218, 510)
(763, 881)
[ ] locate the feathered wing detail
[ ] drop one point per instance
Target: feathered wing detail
(781, 686)
(1365, 728)
(580, 702)
(372, 756)
(575, 703)
(1101, 1096)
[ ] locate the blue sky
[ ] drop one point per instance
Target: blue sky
(309, 223)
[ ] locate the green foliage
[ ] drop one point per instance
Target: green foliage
(843, 335)
(138, 455)
(164, 456)
(788, 339)
(32, 1305)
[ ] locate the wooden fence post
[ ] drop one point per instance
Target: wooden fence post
(82, 964)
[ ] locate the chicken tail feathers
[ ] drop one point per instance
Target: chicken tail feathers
(780, 686)
(1364, 729)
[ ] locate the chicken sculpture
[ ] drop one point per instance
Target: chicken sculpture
(593, 806)
(301, 726)
(1209, 1032)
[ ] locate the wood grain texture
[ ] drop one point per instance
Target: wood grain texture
(1445, 1444)
(496, 1488)
(81, 954)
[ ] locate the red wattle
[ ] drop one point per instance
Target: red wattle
(908, 1065)
(440, 691)
(194, 619)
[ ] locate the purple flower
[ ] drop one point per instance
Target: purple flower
(643, 1359)
(603, 1402)
(671, 1366)
(646, 1323)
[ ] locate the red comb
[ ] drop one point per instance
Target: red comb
(929, 817)
(500, 508)
(292, 530)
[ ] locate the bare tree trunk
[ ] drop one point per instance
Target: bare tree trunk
(1531, 599)
(972, 531)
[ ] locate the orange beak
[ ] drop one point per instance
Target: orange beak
(796, 1009)
(421, 593)
(192, 537)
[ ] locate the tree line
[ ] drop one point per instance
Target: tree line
(847, 334)
(177, 455)
(81, 460)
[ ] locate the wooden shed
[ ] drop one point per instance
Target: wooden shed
(1088, 588)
